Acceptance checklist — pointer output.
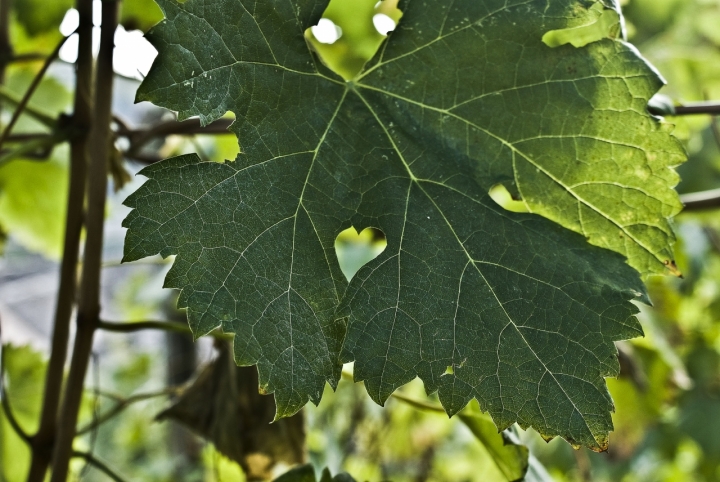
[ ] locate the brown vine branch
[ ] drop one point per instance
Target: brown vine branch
(43, 441)
(96, 399)
(132, 327)
(98, 464)
(140, 137)
(710, 107)
(89, 302)
(6, 49)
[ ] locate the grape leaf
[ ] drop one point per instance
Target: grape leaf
(512, 309)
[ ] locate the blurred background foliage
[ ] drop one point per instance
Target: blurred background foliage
(667, 420)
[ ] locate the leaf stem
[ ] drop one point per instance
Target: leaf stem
(22, 105)
(89, 301)
(419, 404)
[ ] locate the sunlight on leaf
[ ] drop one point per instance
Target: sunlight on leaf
(522, 307)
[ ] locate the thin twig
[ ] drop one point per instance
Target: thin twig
(98, 464)
(132, 327)
(696, 201)
(31, 90)
(122, 404)
(7, 408)
(39, 148)
(190, 127)
(28, 57)
(140, 137)
(8, 96)
(150, 262)
(711, 107)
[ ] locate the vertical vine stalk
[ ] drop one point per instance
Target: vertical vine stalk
(44, 439)
(88, 314)
(6, 50)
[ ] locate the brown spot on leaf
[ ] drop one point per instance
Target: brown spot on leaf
(672, 267)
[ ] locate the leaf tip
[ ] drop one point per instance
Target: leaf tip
(672, 267)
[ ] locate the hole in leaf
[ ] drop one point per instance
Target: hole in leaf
(500, 194)
(351, 32)
(606, 23)
(449, 370)
(383, 23)
(326, 32)
(354, 250)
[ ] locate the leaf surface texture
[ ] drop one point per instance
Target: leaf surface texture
(515, 310)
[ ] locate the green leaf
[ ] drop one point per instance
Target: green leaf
(306, 473)
(223, 406)
(24, 376)
(510, 457)
(463, 96)
(33, 202)
(38, 17)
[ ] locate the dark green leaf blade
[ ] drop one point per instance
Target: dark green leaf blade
(523, 311)
(231, 273)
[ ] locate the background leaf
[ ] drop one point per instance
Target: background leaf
(223, 406)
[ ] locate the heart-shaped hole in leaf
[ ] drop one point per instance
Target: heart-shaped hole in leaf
(351, 31)
(354, 250)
